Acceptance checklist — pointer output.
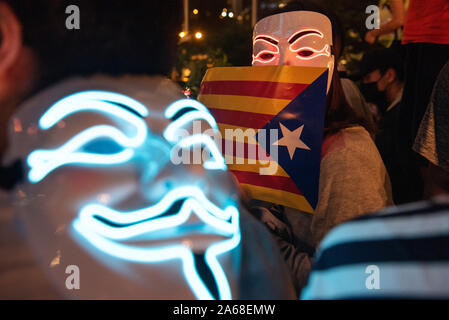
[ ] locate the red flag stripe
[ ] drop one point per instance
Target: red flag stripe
(241, 118)
(230, 147)
(262, 89)
(267, 181)
(261, 152)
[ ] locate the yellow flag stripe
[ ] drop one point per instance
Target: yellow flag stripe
(242, 164)
(244, 103)
(281, 197)
(283, 74)
(236, 133)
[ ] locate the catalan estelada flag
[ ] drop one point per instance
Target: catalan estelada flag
(288, 100)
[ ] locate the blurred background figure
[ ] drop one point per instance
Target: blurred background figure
(357, 102)
(392, 16)
(401, 252)
(432, 139)
(426, 41)
(382, 76)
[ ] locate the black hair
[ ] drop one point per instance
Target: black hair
(115, 36)
(339, 114)
(382, 59)
(398, 69)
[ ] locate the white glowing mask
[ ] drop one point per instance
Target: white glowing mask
(102, 193)
(296, 38)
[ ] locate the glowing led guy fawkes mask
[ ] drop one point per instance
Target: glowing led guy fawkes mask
(297, 38)
(102, 194)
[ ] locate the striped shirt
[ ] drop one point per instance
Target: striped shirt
(398, 253)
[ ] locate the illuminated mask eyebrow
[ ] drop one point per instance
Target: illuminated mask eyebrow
(44, 161)
(267, 38)
(301, 34)
(77, 102)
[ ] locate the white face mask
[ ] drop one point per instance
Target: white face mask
(297, 38)
(134, 251)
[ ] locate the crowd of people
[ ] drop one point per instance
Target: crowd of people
(401, 82)
(381, 225)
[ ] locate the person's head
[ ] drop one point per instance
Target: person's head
(109, 183)
(432, 139)
(115, 37)
(297, 38)
(99, 142)
(305, 33)
(302, 33)
(382, 76)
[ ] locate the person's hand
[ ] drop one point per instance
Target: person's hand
(371, 36)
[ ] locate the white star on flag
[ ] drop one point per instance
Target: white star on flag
(291, 140)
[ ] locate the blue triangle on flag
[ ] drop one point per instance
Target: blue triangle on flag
(307, 109)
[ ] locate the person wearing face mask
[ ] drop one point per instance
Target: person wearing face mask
(382, 74)
(87, 113)
(353, 179)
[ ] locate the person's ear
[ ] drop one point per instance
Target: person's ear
(10, 38)
(390, 75)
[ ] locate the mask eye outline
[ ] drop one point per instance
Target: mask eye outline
(102, 145)
(309, 32)
(259, 58)
(43, 161)
(315, 53)
(194, 110)
(271, 41)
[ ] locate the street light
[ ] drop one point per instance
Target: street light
(182, 34)
(198, 35)
(195, 11)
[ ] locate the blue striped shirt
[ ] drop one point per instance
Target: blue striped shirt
(398, 253)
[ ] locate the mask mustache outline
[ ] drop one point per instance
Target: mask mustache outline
(100, 237)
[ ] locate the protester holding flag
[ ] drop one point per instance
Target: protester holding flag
(327, 167)
(353, 179)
